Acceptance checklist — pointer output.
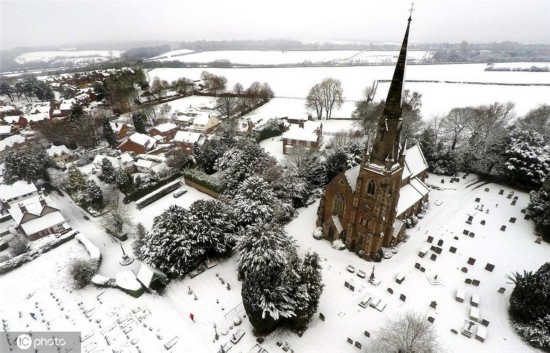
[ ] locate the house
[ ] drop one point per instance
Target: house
(144, 165)
(60, 154)
(65, 109)
(299, 120)
(6, 131)
(38, 222)
(8, 110)
(120, 129)
(18, 120)
(204, 123)
(115, 161)
(166, 130)
(138, 143)
(34, 119)
(127, 162)
(306, 136)
(20, 190)
(186, 140)
(11, 142)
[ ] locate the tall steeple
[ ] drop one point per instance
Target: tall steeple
(386, 144)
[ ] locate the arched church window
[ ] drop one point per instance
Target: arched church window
(371, 187)
(339, 205)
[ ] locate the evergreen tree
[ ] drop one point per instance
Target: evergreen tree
(138, 119)
(108, 132)
(123, 180)
(77, 180)
(140, 234)
(311, 285)
(335, 163)
(527, 158)
(108, 174)
(254, 202)
(263, 254)
(539, 207)
(29, 165)
(168, 245)
(95, 195)
(214, 227)
(530, 299)
(291, 188)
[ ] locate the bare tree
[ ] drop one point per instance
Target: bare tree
(117, 219)
(226, 106)
(367, 112)
(314, 100)
(238, 89)
(332, 91)
(408, 333)
(455, 125)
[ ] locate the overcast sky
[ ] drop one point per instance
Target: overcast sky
(50, 22)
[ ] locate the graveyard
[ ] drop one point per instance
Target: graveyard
(452, 269)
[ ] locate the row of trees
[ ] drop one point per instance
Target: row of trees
(27, 87)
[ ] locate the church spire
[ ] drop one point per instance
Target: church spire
(389, 125)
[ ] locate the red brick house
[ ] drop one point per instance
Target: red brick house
(138, 143)
(186, 140)
(307, 136)
(120, 129)
(18, 120)
(166, 130)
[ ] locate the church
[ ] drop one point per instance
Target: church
(367, 206)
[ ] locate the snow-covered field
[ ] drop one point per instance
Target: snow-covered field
(272, 57)
(152, 320)
(62, 56)
(521, 65)
(438, 98)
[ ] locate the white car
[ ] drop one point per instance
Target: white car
(178, 193)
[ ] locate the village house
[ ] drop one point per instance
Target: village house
(18, 120)
(60, 154)
(7, 144)
(6, 131)
(120, 129)
(166, 130)
(299, 120)
(138, 143)
(186, 140)
(8, 110)
(306, 136)
(204, 123)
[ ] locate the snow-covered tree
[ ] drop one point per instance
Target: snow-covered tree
(308, 291)
(139, 236)
(244, 160)
(123, 180)
(254, 201)
(407, 333)
(537, 119)
(108, 132)
(263, 255)
(214, 228)
(58, 179)
(116, 220)
(527, 158)
(138, 119)
(309, 166)
(29, 165)
(108, 174)
(335, 163)
(95, 195)
(168, 245)
(291, 188)
(539, 207)
(207, 155)
(77, 180)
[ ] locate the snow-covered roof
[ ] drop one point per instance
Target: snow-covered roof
(10, 141)
(183, 118)
(32, 205)
(337, 223)
(142, 139)
(297, 133)
(161, 167)
(117, 126)
(41, 223)
(5, 129)
(201, 119)
(126, 158)
(65, 106)
(187, 137)
(411, 194)
(12, 119)
(165, 127)
(58, 151)
(127, 280)
(17, 189)
(114, 160)
(37, 117)
(6, 108)
(351, 175)
(42, 109)
(415, 163)
(146, 274)
(144, 163)
(311, 126)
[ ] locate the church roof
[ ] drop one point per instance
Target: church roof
(411, 194)
(351, 175)
(415, 163)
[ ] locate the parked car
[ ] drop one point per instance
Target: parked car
(350, 268)
(178, 193)
(361, 274)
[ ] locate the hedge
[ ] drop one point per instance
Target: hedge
(203, 180)
(142, 191)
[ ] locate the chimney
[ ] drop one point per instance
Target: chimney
(23, 208)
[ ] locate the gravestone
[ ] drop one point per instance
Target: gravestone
(464, 269)
(475, 282)
(478, 199)
(350, 341)
(433, 304)
(503, 228)
(501, 192)
(485, 322)
(523, 210)
(367, 333)
(490, 267)
(422, 269)
(515, 198)
(431, 319)
(470, 219)
(442, 181)
(454, 331)
(346, 283)
(509, 196)
(513, 203)
(468, 281)
(486, 189)
(438, 250)
(403, 297)
(358, 344)
(527, 217)
(417, 266)
(455, 238)
(432, 248)
(430, 239)
(472, 234)
(465, 232)
(433, 257)
(482, 222)
(471, 261)
(390, 290)
(452, 249)
(322, 316)
(539, 240)
(501, 290)
(440, 242)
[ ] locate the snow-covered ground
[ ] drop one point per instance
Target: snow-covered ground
(272, 57)
(163, 317)
(171, 55)
(438, 97)
(197, 102)
(521, 65)
(63, 56)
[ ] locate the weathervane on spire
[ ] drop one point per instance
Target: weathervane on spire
(411, 11)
